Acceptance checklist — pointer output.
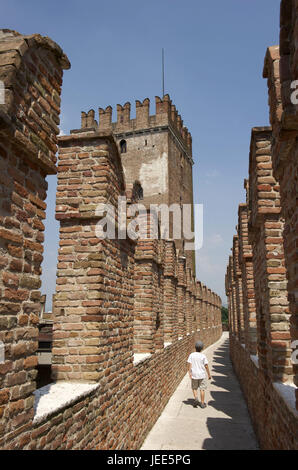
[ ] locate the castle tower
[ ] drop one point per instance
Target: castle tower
(156, 154)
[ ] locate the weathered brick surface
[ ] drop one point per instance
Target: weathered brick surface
(31, 68)
(266, 236)
(106, 420)
(284, 148)
(267, 233)
(114, 297)
(94, 294)
(246, 266)
(170, 292)
(148, 295)
(274, 423)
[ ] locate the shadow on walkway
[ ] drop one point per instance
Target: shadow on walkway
(235, 431)
(223, 425)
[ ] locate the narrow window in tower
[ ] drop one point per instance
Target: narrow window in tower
(137, 191)
(145, 141)
(123, 147)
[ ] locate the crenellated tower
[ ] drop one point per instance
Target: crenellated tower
(156, 152)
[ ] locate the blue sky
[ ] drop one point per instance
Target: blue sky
(214, 53)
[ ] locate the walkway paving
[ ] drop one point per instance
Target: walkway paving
(223, 424)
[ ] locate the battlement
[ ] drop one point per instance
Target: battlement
(166, 114)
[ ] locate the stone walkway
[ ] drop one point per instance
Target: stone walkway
(223, 424)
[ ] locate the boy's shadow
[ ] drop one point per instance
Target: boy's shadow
(189, 401)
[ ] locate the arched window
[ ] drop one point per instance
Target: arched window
(137, 191)
(123, 146)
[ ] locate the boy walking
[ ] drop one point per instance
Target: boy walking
(198, 370)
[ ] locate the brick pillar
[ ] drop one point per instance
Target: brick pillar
(213, 309)
(176, 306)
(246, 266)
(204, 306)
(238, 287)
(280, 69)
(159, 300)
(181, 296)
(219, 312)
(193, 305)
(148, 320)
(266, 236)
(198, 305)
(211, 315)
(219, 305)
(234, 299)
(188, 296)
(208, 307)
(93, 309)
(31, 68)
(228, 292)
(170, 286)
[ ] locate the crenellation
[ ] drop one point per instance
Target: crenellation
(105, 118)
(142, 113)
(83, 120)
(91, 122)
(165, 115)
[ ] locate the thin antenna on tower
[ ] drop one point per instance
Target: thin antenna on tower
(163, 72)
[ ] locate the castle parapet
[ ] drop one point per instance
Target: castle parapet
(105, 118)
(88, 119)
(166, 114)
(142, 112)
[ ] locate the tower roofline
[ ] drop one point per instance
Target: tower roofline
(166, 114)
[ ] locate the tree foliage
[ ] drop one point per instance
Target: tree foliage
(224, 315)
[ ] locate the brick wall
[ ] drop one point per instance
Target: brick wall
(31, 68)
(262, 356)
(280, 69)
(126, 313)
(267, 233)
(104, 420)
(94, 294)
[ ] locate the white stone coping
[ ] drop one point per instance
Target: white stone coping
(287, 392)
(180, 337)
(56, 396)
(165, 345)
(140, 357)
(255, 360)
(44, 358)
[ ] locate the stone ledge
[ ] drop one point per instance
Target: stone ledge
(166, 344)
(140, 357)
(54, 397)
(287, 392)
